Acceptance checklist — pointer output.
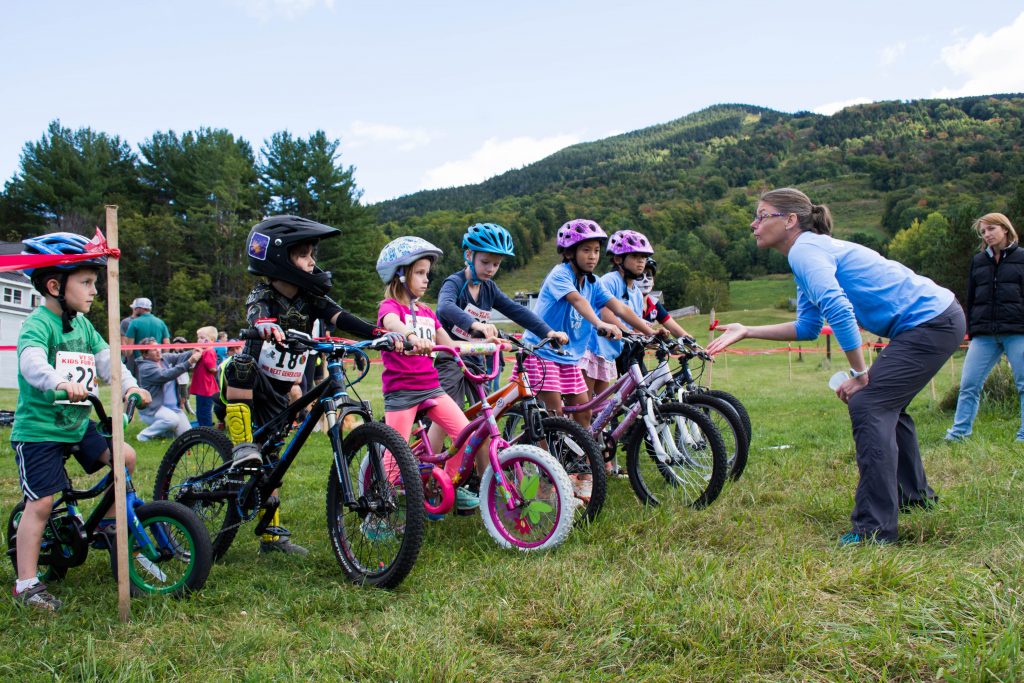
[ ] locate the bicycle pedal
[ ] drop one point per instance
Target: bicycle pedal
(277, 531)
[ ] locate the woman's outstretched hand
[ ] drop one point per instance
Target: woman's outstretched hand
(731, 333)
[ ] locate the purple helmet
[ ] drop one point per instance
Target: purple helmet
(578, 230)
(628, 242)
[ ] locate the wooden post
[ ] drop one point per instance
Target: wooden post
(789, 357)
(116, 415)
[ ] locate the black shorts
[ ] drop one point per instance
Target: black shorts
(41, 464)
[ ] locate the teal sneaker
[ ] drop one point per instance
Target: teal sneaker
(466, 499)
(852, 538)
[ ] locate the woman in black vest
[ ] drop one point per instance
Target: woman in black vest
(995, 315)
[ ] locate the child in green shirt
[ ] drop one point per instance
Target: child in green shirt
(58, 349)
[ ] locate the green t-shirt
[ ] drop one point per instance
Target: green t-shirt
(147, 325)
(36, 419)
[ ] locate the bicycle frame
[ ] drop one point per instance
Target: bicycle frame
(483, 424)
(612, 401)
(329, 398)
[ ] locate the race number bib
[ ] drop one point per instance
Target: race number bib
(282, 365)
(77, 367)
(478, 316)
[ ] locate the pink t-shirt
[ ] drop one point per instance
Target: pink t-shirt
(402, 372)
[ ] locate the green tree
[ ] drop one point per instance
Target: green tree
(306, 178)
(67, 177)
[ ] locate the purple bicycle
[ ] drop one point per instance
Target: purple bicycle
(526, 498)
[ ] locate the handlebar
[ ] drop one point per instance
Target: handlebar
(53, 395)
(532, 348)
(294, 340)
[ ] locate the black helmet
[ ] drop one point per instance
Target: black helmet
(268, 245)
(652, 266)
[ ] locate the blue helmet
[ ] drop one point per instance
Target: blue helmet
(57, 243)
(490, 238)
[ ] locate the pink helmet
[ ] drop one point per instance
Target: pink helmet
(578, 230)
(628, 242)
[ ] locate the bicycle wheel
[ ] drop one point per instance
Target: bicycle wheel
(574, 448)
(376, 541)
(545, 517)
(693, 468)
(45, 573)
(185, 554)
(737, 405)
(727, 421)
(194, 452)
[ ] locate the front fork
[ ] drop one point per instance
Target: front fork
(653, 425)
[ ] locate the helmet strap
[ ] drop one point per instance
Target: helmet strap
(408, 292)
(65, 313)
(473, 279)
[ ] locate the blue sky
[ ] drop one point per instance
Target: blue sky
(447, 93)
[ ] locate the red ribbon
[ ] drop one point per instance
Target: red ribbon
(97, 247)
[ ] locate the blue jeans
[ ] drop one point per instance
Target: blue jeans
(982, 355)
(204, 410)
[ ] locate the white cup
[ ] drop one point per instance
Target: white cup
(837, 379)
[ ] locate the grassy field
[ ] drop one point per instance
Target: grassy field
(765, 292)
(754, 588)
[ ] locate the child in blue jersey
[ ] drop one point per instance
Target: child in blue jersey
(629, 251)
(569, 300)
(58, 349)
(466, 300)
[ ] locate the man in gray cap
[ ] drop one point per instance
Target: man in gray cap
(144, 324)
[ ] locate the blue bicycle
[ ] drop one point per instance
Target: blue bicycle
(168, 549)
(375, 518)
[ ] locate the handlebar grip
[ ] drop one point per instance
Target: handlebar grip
(250, 333)
(52, 395)
(601, 332)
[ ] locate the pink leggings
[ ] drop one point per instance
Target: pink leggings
(446, 413)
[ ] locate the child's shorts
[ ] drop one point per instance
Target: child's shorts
(597, 368)
(41, 464)
(546, 375)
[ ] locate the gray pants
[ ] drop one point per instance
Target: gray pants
(888, 456)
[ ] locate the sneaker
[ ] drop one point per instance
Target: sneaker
(376, 529)
(37, 596)
(582, 488)
(466, 499)
(282, 545)
(956, 438)
(852, 538)
(245, 453)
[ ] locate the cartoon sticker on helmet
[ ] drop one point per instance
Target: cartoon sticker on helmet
(258, 244)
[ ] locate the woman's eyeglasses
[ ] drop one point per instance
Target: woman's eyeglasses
(758, 218)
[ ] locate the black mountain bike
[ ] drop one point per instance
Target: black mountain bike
(374, 519)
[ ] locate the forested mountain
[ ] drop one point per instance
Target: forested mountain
(903, 177)
(691, 185)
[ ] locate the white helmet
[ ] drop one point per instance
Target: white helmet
(403, 252)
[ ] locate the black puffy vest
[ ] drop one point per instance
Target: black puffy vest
(995, 293)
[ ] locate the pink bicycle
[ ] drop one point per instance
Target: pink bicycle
(526, 498)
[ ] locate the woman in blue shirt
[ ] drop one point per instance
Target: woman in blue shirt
(852, 286)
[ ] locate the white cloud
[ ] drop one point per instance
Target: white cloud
(830, 108)
(991, 63)
(264, 10)
(494, 157)
(890, 53)
(406, 139)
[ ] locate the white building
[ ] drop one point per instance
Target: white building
(17, 300)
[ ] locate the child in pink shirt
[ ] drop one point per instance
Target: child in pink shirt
(409, 378)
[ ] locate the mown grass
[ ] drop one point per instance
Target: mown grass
(753, 588)
(764, 292)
